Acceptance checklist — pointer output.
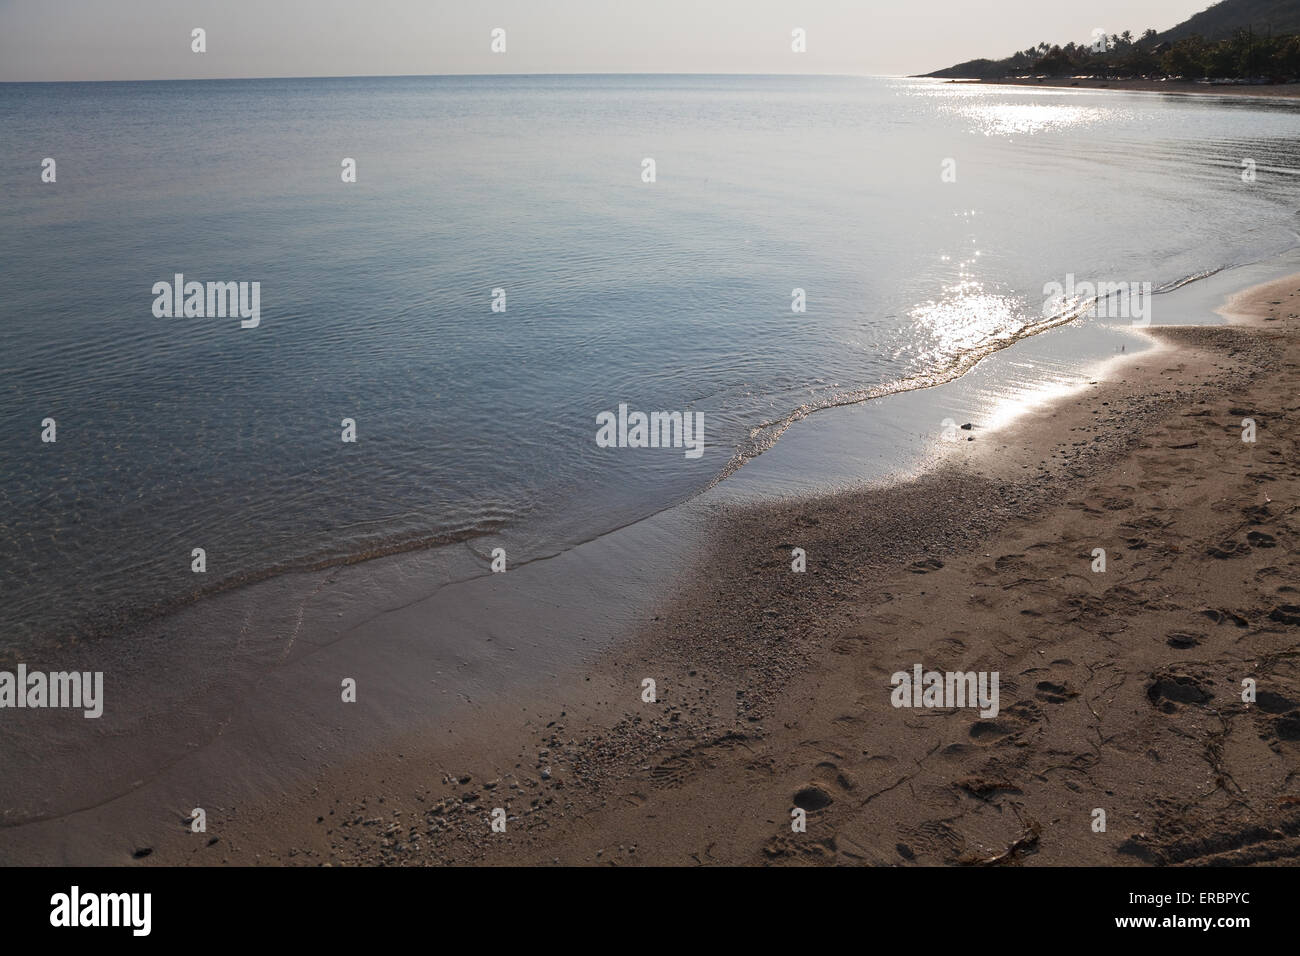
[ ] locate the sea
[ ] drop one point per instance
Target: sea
(517, 257)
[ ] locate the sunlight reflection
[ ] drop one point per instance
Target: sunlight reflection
(1003, 119)
(1008, 111)
(1016, 401)
(965, 318)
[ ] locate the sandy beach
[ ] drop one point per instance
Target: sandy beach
(1120, 691)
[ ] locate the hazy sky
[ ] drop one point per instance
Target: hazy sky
(150, 39)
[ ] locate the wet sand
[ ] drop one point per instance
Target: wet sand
(1120, 691)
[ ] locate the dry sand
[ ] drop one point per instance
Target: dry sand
(1120, 691)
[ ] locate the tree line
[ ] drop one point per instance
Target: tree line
(1245, 55)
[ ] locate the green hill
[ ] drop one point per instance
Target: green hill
(1222, 20)
(1232, 39)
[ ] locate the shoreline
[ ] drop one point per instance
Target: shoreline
(747, 657)
(1118, 691)
(1282, 91)
(74, 595)
(120, 620)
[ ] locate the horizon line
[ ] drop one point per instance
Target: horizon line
(397, 76)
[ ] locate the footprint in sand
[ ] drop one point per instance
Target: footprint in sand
(1220, 615)
(828, 775)
(1287, 727)
(677, 768)
(1013, 562)
(1286, 614)
(788, 847)
(1272, 703)
(1278, 719)
(1169, 689)
(1053, 692)
(1257, 514)
(1149, 522)
(986, 788)
(1228, 549)
(1000, 729)
(812, 799)
(934, 838)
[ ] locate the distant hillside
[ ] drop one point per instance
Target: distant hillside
(1224, 19)
(974, 69)
(1234, 39)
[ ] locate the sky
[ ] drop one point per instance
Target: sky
(151, 39)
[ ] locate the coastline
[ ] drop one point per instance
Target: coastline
(1113, 684)
(284, 523)
(773, 687)
(1283, 91)
(772, 684)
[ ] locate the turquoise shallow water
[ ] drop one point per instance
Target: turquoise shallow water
(176, 433)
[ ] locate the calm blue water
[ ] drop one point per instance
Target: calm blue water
(175, 433)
